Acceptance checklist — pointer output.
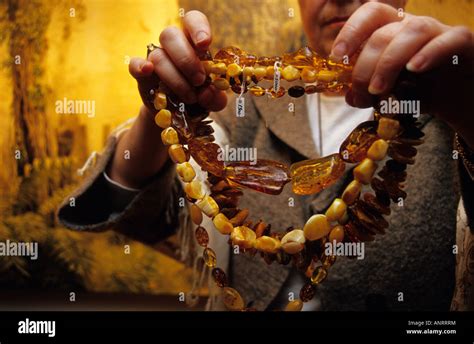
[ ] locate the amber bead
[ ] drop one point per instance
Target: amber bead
(294, 306)
(296, 91)
(388, 128)
(336, 234)
(178, 153)
(159, 101)
(365, 171)
(378, 150)
(280, 93)
(257, 91)
(208, 206)
(402, 152)
(259, 72)
(222, 224)
(196, 214)
(201, 236)
(194, 189)
(232, 299)
(354, 148)
(221, 84)
(233, 70)
(219, 277)
(316, 227)
(185, 171)
(312, 176)
(228, 54)
(375, 204)
(290, 73)
(219, 68)
(307, 292)
(243, 236)
(207, 155)
(293, 241)
(310, 89)
(327, 76)
(351, 192)
(169, 136)
(319, 275)
(336, 210)
(267, 244)
(240, 217)
(265, 176)
(209, 257)
(163, 118)
(308, 75)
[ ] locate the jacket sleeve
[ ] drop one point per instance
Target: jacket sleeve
(148, 215)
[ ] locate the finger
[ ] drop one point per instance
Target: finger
(212, 98)
(358, 28)
(198, 29)
(454, 41)
(171, 76)
(370, 54)
(140, 68)
(182, 55)
(412, 37)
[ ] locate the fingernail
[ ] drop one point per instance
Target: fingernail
(376, 85)
(199, 79)
(200, 37)
(416, 63)
(339, 51)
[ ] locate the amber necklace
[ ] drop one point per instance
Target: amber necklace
(357, 216)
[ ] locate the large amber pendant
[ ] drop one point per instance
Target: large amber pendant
(355, 146)
(206, 155)
(312, 176)
(265, 176)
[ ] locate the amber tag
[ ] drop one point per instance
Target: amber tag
(240, 106)
(276, 76)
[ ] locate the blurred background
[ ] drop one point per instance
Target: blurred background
(79, 50)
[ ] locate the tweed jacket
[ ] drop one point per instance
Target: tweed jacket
(411, 267)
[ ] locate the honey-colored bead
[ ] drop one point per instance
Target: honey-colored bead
(267, 244)
(290, 73)
(365, 171)
(294, 306)
(259, 72)
(163, 118)
(219, 68)
(208, 206)
(178, 153)
(169, 136)
(336, 210)
(196, 214)
(257, 91)
(195, 189)
(209, 257)
(378, 150)
(293, 242)
(316, 227)
(243, 236)
(222, 224)
(207, 65)
(270, 70)
(312, 176)
(185, 171)
(159, 101)
(221, 84)
(388, 128)
(248, 71)
(233, 70)
(232, 299)
(337, 234)
(201, 236)
(352, 192)
(319, 275)
(327, 75)
(308, 75)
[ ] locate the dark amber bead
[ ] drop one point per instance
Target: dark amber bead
(265, 175)
(201, 236)
(402, 152)
(232, 299)
(207, 155)
(355, 146)
(319, 274)
(228, 55)
(310, 89)
(312, 176)
(219, 277)
(280, 93)
(296, 91)
(375, 204)
(307, 292)
(357, 233)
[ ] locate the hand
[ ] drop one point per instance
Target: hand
(389, 43)
(177, 64)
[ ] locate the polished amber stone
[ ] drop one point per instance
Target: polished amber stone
(232, 299)
(219, 277)
(402, 152)
(312, 176)
(296, 91)
(265, 176)
(310, 89)
(206, 154)
(280, 93)
(257, 91)
(304, 57)
(201, 236)
(294, 306)
(307, 292)
(355, 146)
(209, 257)
(319, 275)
